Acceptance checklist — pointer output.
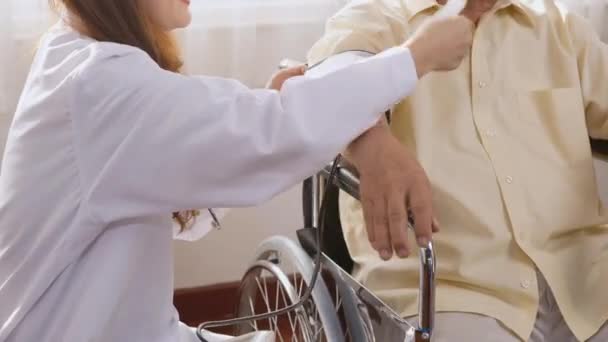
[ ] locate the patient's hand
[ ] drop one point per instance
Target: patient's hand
(392, 181)
(277, 80)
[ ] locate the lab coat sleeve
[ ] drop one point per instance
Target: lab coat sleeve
(592, 59)
(367, 25)
(154, 142)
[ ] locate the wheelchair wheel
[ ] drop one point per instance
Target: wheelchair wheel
(278, 278)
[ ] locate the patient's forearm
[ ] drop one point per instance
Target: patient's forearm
(358, 151)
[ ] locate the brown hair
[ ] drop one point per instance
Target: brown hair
(123, 22)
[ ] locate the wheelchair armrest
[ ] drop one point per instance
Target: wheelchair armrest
(308, 240)
(347, 178)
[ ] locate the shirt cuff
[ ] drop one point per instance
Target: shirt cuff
(402, 73)
(201, 226)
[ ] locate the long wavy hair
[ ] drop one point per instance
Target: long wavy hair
(124, 22)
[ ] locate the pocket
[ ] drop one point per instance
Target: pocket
(558, 107)
(553, 125)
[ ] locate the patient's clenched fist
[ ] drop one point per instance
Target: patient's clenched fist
(441, 44)
(277, 80)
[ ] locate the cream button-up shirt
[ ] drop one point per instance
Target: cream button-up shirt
(505, 142)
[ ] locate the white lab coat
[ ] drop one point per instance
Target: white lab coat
(105, 145)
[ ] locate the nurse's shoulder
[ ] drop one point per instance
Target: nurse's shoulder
(111, 64)
(65, 51)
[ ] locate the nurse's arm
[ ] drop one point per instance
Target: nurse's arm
(151, 142)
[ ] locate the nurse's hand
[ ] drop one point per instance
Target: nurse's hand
(392, 182)
(277, 80)
(441, 44)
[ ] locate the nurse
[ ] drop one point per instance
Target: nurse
(111, 145)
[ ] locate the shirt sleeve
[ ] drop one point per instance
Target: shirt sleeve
(367, 25)
(592, 59)
(153, 142)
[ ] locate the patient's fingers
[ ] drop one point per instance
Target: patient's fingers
(421, 206)
(397, 220)
(381, 232)
(368, 209)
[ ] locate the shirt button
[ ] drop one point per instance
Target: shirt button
(482, 84)
(525, 284)
(509, 179)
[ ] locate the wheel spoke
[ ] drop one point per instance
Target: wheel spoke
(291, 322)
(252, 306)
(264, 292)
(301, 287)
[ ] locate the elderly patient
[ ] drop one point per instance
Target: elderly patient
(504, 141)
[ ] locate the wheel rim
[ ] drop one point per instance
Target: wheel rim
(264, 288)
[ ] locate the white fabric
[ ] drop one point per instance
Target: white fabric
(105, 145)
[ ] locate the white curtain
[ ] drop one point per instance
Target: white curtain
(243, 39)
(21, 23)
(596, 11)
(246, 39)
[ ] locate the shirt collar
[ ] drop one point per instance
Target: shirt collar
(415, 7)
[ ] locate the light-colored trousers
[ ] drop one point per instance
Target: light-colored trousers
(549, 327)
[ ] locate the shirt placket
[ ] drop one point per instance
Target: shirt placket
(484, 96)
